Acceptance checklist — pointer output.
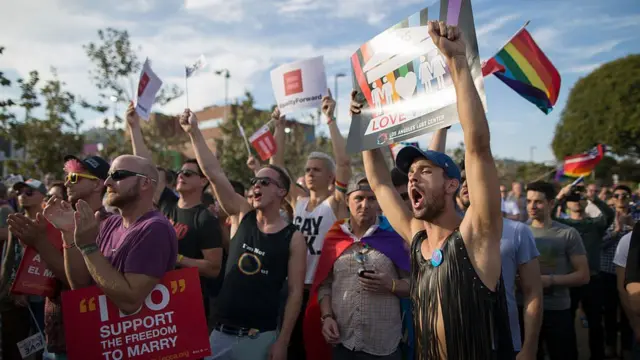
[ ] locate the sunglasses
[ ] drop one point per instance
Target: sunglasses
(264, 181)
(25, 192)
(620, 196)
(188, 173)
(74, 177)
(118, 175)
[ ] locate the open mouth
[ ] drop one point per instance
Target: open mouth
(417, 198)
(257, 195)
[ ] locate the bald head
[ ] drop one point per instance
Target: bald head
(137, 164)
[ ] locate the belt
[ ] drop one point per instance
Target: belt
(237, 331)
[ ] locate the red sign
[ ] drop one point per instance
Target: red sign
(264, 143)
(292, 82)
(170, 324)
(144, 80)
(33, 277)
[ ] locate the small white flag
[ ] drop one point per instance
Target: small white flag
(199, 64)
(148, 88)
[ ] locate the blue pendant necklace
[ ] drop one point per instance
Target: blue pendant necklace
(436, 257)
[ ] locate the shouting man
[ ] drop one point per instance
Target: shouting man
(458, 296)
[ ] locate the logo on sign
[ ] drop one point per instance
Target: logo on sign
(142, 85)
(293, 82)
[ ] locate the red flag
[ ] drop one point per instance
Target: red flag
(264, 143)
(583, 164)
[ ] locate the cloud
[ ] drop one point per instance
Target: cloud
(225, 11)
(589, 51)
(136, 6)
(581, 69)
(495, 24)
(373, 11)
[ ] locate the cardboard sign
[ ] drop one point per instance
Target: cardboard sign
(148, 86)
(33, 277)
(31, 345)
(404, 80)
(264, 143)
(299, 85)
(170, 325)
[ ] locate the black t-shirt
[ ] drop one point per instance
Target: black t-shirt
(633, 257)
(255, 273)
(197, 228)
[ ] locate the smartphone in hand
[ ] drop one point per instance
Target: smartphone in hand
(363, 273)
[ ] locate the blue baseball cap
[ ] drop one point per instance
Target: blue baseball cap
(408, 154)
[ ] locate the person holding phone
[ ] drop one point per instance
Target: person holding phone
(362, 275)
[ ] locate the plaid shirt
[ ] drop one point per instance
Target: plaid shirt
(367, 322)
(609, 245)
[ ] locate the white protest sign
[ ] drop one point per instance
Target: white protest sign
(299, 85)
(31, 345)
(148, 87)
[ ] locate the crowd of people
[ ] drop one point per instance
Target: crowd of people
(429, 260)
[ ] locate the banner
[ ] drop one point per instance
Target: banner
(170, 324)
(405, 81)
(148, 86)
(299, 85)
(264, 143)
(33, 277)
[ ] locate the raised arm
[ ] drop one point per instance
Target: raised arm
(343, 161)
(482, 222)
(278, 158)
(439, 140)
(137, 141)
(231, 202)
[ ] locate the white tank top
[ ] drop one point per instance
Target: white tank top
(314, 225)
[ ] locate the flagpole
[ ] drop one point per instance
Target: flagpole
(511, 38)
(186, 87)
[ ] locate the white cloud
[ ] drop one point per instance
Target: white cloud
(137, 6)
(227, 11)
(495, 24)
(581, 69)
(373, 11)
(589, 51)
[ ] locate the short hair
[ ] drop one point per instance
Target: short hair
(398, 178)
(544, 187)
(238, 187)
(285, 180)
(195, 162)
(64, 189)
(317, 155)
(623, 187)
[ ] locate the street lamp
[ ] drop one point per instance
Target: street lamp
(226, 75)
(335, 88)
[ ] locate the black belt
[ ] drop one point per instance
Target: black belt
(237, 331)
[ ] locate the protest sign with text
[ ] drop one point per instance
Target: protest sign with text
(148, 86)
(264, 143)
(33, 277)
(299, 85)
(404, 80)
(170, 325)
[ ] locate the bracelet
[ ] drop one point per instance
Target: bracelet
(68, 246)
(180, 257)
(326, 316)
(331, 119)
(393, 286)
(89, 249)
(342, 187)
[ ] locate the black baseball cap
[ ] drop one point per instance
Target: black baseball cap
(95, 165)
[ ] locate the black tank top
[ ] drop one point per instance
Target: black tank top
(476, 320)
(255, 273)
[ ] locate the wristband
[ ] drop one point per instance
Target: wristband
(326, 316)
(341, 187)
(68, 246)
(180, 257)
(331, 119)
(87, 250)
(393, 286)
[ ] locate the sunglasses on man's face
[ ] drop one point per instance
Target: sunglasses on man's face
(118, 175)
(188, 173)
(264, 181)
(25, 192)
(621, 196)
(74, 177)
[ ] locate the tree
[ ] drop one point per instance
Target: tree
(232, 150)
(115, 67)
(603, 108)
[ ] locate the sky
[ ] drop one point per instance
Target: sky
(252, 37)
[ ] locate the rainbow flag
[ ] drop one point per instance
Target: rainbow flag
(583, 164)
(523, 67)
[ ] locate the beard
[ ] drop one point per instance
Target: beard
(119, 200)
(433, 206)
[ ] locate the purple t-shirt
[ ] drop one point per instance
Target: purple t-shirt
(149, 246)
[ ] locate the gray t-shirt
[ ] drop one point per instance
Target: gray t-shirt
(556, 245)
